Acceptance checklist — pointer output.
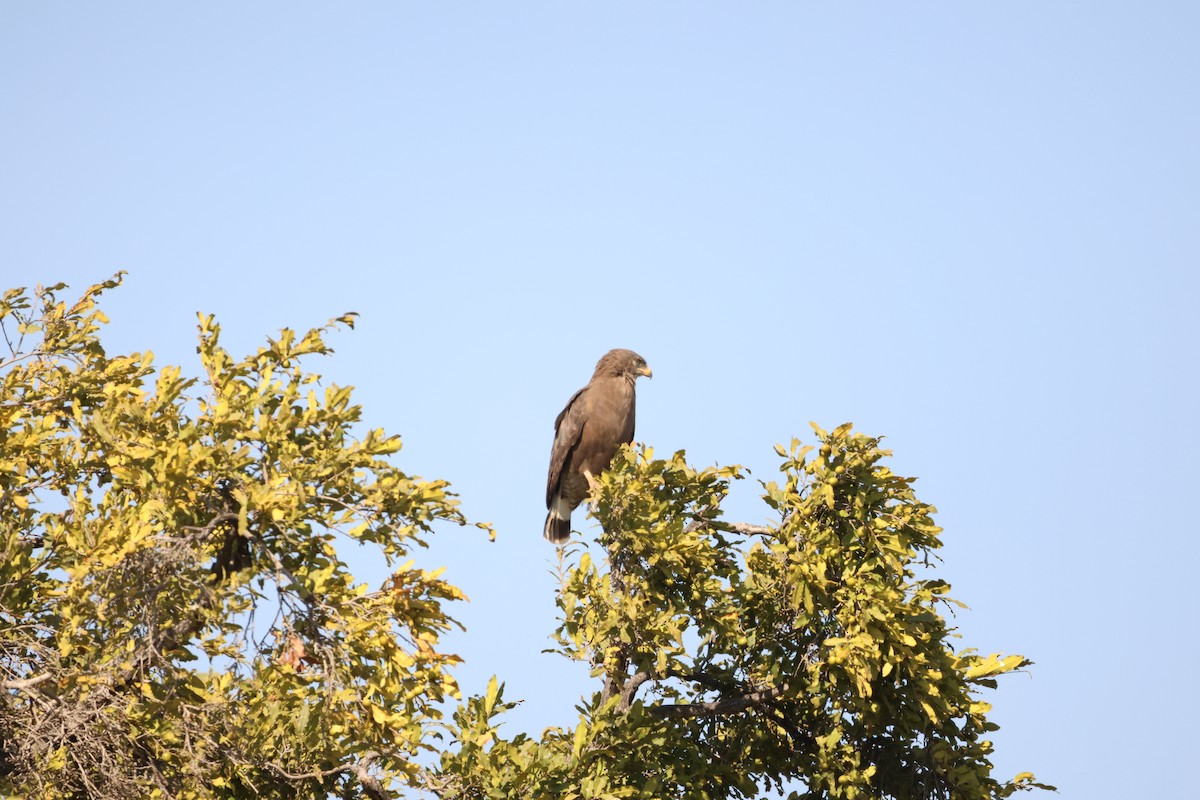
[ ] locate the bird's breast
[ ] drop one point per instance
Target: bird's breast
(611, 410)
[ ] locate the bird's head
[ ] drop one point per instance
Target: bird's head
(623, 363)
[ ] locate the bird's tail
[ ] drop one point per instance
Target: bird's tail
(558, 522)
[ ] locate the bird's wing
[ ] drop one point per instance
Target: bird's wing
(568, 427)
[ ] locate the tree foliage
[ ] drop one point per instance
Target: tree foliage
(736, 658)
(175, 620)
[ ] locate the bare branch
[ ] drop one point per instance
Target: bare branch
(630, 689)
(21, 684)
(747, 529)
(371, 785)
(315, 775)
(744, 528)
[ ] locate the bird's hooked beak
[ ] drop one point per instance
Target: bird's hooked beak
(646, 371)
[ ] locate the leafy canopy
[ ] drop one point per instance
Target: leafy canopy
(175, 620)
(733, 658)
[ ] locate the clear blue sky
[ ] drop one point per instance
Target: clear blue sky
(972, 228)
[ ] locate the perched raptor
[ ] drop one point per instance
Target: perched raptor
(598, 419)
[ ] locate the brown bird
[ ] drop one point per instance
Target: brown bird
(598, 419)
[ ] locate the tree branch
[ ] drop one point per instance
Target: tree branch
(204, 531)
(630, 689)
(21, 684)
(716, 708)
(371, 785)
(748, 529)
(744, 528)
(735, 699)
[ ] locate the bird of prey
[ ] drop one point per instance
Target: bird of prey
(598, 419)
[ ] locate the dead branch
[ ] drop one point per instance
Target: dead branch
(371, 785)
(744, 528)
(21, 684)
